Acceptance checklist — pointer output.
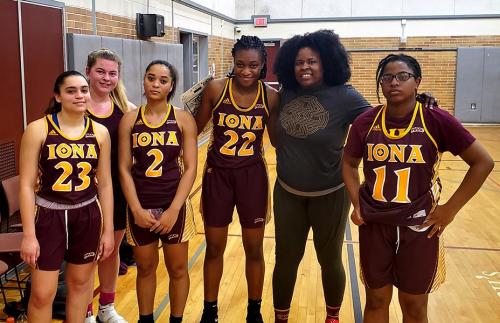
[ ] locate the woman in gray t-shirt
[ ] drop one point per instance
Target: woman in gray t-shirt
(309, 132)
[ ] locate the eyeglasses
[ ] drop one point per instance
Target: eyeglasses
(401, 77)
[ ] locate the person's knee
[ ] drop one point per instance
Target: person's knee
(78, 284)
(377, 302)
(215, 251)
(146, 268)
(178, 271)
(330, 261)
(414, 309)
(42, 297)
(254, 252)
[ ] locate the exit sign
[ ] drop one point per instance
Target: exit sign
(260, 21)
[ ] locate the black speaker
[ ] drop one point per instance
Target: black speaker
(147, 25)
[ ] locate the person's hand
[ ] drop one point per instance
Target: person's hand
(106, 245)
(30, 250)
(438, 220)
(144, 219)
(427, 100)
(166, 222)
(356, 216)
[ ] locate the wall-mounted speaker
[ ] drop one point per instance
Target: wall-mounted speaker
(147, 25)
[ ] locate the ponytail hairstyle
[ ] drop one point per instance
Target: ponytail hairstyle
(54, 106)
(252, 42)
(118, 94)
(173, 74)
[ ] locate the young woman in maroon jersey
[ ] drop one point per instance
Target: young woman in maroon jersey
(108, 103)
(396, 207)
(235, 173)
(158, 157)
(67, 153)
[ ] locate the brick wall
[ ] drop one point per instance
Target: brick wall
(438, 67)
(219, 52)
(79, 21)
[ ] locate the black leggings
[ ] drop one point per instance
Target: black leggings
(294, 215)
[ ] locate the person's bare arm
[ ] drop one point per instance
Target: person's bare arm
(142, 217)
(480, 165)
(31, 145)
(105, 190)
(352, 183)
(273, 100)
(190, 161)
(209, 97)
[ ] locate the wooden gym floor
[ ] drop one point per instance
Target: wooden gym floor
(471, 292)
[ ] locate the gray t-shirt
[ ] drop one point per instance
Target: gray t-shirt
(310, 135)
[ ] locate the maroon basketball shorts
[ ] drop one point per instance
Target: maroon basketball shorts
(400, 256)
(120, 209)
(182, 231)
(67, 234)
(247, 188)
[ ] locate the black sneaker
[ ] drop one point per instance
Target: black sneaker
(255, 318)
(209, 317)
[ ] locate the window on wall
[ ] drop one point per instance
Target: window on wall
(195, 57)
(196, 60)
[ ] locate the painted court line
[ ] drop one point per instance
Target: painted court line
(356, 303)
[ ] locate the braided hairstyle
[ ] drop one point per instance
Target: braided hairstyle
(408, 60)
(251, 42)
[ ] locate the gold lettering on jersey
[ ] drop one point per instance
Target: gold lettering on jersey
(172, 138)
(244, 122)
(158, 138)
(416, 155)
(74, 151)
(257, 125)
(397, 153)
(154, 139)
(396, 131)
(393, 153)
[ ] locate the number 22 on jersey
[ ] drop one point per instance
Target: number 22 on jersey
(246, 148)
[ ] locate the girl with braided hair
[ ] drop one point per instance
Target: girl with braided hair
(396, 208)
(235, 172)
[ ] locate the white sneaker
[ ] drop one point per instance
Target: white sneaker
(90, 319)
(108, 314)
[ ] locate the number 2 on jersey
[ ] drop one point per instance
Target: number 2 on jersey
(155, 169)
(245, 150)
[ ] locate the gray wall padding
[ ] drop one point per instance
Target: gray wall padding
(135, 54)
(477, 82)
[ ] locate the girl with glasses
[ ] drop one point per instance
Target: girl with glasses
(396, 207)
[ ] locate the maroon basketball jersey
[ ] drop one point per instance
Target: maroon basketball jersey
(111, 122)
(236, 139)
(157, 165)
(400, 165)
(68, 165)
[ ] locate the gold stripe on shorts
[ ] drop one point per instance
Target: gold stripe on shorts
(440, 271)
(189, 229)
